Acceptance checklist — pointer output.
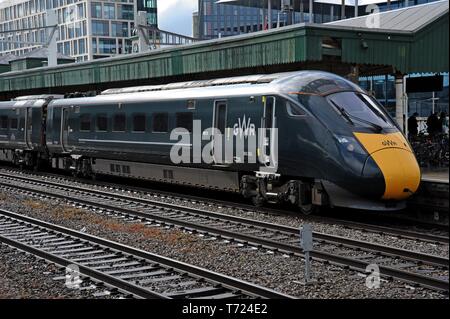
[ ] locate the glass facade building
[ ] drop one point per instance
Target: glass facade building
(221, 20)
(86, 29)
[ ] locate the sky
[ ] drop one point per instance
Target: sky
(176, 15)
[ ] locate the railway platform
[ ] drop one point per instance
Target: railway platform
(431, 203)
(435, 176)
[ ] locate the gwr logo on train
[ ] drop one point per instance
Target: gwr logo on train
(389, 143)
(244, 128)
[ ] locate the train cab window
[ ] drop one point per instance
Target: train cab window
(85, 123)
(14, 124)
(101, 123)
(119, 122)
(160, 122)
(185, 120)
(294, 110)
(3, 122)
(139, 123)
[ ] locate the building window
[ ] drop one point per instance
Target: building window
(107, 46)
(96, 10)
(85, 123)
(3, 122)
(139, 123)
(119, 29)
(185, 120)
(126, 12)
(14, 124)
(109, 11)
(161, 122)
(101, 123)
(119, 123)
(100, 28)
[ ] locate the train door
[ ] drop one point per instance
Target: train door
(269, 138)
(65, 129)
(219, 125)
(28, 127)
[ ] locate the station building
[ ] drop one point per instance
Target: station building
(87, 29)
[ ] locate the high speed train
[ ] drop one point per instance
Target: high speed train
(310, 138)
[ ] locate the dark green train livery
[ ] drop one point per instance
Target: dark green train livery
(310, 138)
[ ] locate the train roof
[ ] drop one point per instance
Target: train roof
(37, 102)
(313, 82)
(248, 79)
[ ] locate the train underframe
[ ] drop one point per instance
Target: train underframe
(261, 188)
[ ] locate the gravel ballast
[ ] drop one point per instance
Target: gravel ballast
(425, 247)
(273, 270)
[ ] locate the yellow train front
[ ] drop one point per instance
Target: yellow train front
(341, 141)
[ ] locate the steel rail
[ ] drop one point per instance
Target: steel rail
(231, 283)
(355, 264)
(411, 255)
(402, 233)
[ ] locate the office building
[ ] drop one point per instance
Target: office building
(86, 29)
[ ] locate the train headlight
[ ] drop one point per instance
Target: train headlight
(350, 144)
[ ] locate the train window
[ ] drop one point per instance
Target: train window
(85, 122)
(160, 122)
(101, 123)
(294, 110)
(139, 123)
(3, 122)
(119, 122)
(185, 120)
(14, 123)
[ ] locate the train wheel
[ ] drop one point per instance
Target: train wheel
(258, 200)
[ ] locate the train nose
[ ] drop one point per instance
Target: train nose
(400, 171)
(391, 154)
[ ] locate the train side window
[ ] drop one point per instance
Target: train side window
(160, 122)
(119, 122)
(14, 123)
(3, 122)
(101, 123)
(185, 120)
(85, 123)
(139, 123)
(294, 110)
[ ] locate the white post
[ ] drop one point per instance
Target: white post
(269, 14)
(143, 42)
(433, 105)
(302, 12)
(311, 11)
(356, 8)
(405, 107)
(51, 41)
(399, 101)
(306, 243)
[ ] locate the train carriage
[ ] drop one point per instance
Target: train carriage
(22, 130)
(309, 138)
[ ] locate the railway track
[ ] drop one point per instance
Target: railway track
(435, 235)
(412, 267)
(133, 271)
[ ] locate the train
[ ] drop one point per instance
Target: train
(309, 138)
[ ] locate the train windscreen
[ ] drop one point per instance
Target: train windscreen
(360, 110)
